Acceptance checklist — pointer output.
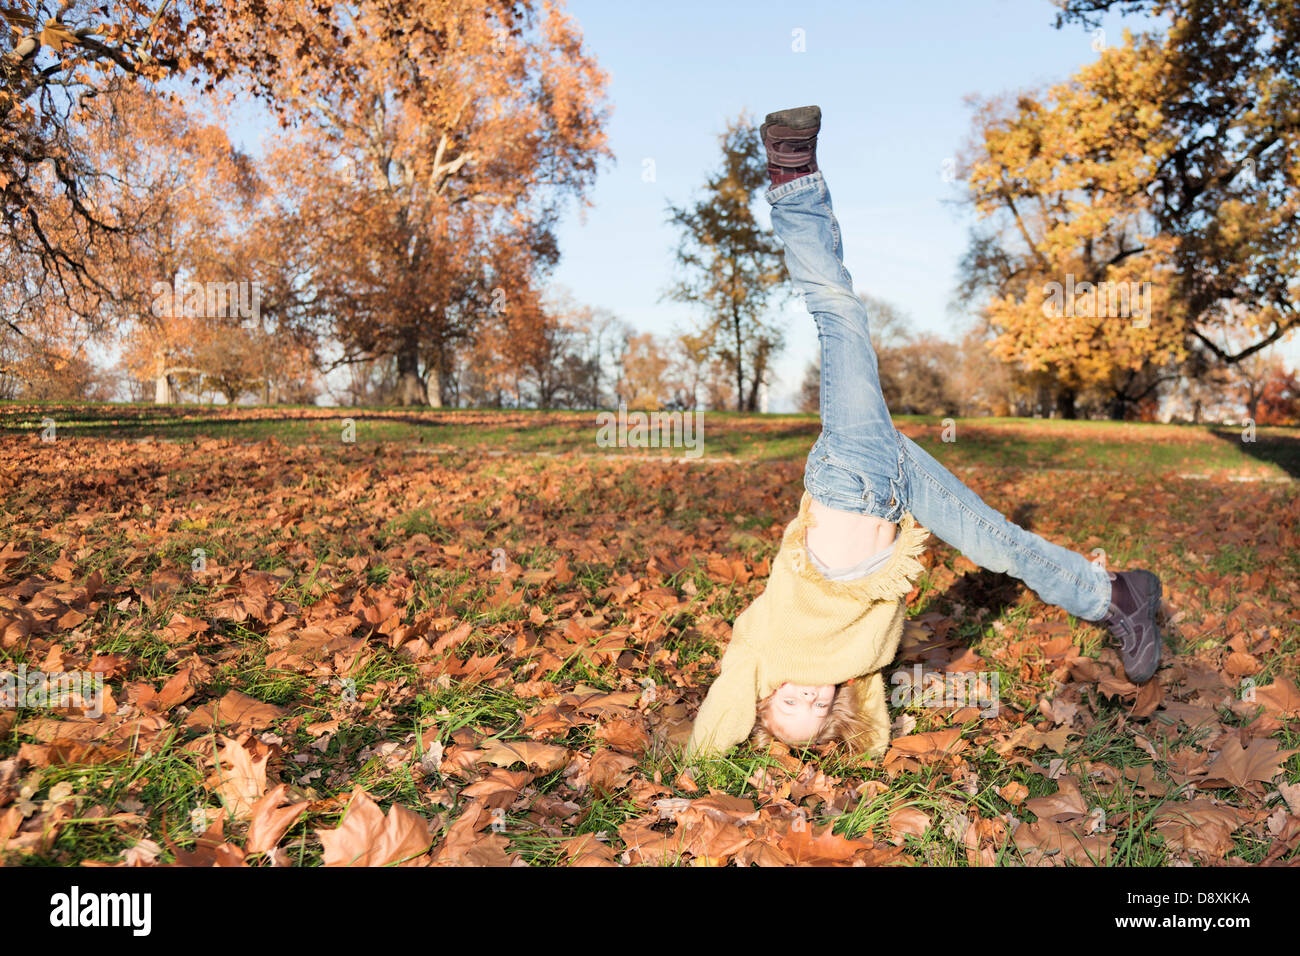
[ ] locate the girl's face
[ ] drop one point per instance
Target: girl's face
(798, 711)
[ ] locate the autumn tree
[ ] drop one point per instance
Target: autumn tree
(1073, 269)
(704, 379)
(57, 63)
(983, 384)
(99, 169)
(1170, 161)
(923, 373)
(646, 367)
(455, 131)
(1223, 167)
(1279, 396)
(731, 266)
(810, 387)
(51, 361)
(183, 196)
(600, 338)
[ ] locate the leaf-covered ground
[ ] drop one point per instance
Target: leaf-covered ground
(413, 650)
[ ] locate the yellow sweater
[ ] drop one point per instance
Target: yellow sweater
(805, 629)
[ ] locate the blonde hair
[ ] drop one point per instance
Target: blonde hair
(844, 724)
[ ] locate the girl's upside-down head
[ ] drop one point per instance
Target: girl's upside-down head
(809, 716)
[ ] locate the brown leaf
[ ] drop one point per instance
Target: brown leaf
(1237, 766)
(499, 788)
(240, 777)
(271, 819)
(210, 849)
(181, 628)
(1013, 792)
(112, 666)
(366, 837)
(1199, 827)
(907, 821)
(61, 752)
(809, 847)
(722, 806)
(1045, 843)
(466, 845)
(544, 758)
(714, 841)
(585, 850)
(624, 735)
(1280, 698)
(1066, 804)
(236, 713)
(178, 689)
(609, 771)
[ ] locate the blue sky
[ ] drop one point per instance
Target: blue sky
(891, 78)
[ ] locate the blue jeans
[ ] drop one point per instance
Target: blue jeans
(861, 463)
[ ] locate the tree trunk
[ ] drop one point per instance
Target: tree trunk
(162, 385)
(1065, 403)
(740, 361)
(410, 389)
(1253, 398)
(433, 387)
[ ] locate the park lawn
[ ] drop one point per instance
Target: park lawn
(1264, 452)
(479, 621)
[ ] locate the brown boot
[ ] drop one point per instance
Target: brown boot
(790, 138)
(1131, 619)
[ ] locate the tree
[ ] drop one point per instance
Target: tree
(49, 362)
(1169, 161)
(1222, 176)
(982, 383)
(810, 389)
(454, 131)
(926, 374)
(230, 363)
(646, 370)
(600, 332)
(1073, 266)
(56, 65)
(181, 192)
(731, 265)
(1279, 399)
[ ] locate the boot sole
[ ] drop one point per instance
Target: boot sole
(800, 119)
(1155, 624)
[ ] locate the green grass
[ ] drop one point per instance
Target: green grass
(1127, 448)
(538, 508)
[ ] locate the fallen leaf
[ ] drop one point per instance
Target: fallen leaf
(271, 819)
(366, 837)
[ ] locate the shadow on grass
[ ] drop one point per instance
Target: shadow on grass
(989, 589)
(1273, 446)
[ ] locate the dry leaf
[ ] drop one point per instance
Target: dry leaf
(367, 837)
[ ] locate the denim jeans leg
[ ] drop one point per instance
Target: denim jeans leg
(856, 463)
(958, 516)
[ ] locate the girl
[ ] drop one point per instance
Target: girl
(833, 608)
